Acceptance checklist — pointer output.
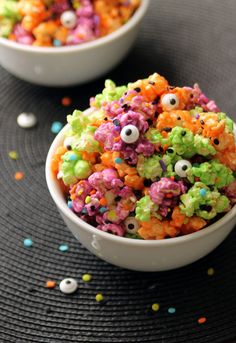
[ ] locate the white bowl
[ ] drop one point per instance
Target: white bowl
(70, 65)
(142, 255)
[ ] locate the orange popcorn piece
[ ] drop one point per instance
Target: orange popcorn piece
(228, 158)
(56, 160)
(156, 229)
(152, 87)
(134, 181)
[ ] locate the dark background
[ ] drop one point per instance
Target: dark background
(187, 41)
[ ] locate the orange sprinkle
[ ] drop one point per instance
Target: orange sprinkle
(103, 202)
(165, 147)
(169, 195)
(50, 284)
(92, 192)
(66, 101)
(197, 179)
(202, 320)
(19, 176)
(172, 178)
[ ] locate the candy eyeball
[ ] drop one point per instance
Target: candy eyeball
(129, 134)
(131, 225)
(68, 142)
(69, 19)
(170, 102)
(68, 286)
(181, 167)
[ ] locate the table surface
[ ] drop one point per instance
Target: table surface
(187, 41)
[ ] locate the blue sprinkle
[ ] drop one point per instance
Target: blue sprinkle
(56, 42)
(63, 247)
(28, 242)
(56, 126)
(171, 310)
(72, 157)
(84, 211)
(69, 204)
(102, 209)
(118, 160)
(203, 192)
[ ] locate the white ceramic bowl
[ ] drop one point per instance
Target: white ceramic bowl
(70, 65)
(142, 255)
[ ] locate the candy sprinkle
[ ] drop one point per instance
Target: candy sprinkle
(13, 155)
(66, 101)
(63, 247)
(171, 310)
(202, 320)
(99, 297)
(118, 160)
(155, 307)
(19, 176)
(50, 284)
(28, 242)
(56, 127)
(203, 192)
(87, 277)
(210, 271)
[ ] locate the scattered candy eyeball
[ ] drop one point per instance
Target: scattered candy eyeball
(67, 142)
(26, 120)
(169, 102)
(181, 167)
(131, 225)
(129, 134)
(69, 19)
(68, 286)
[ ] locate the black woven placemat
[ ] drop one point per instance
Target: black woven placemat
(187, 41)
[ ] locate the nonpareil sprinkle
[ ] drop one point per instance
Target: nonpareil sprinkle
(64, 247)
(210, 271)
(13, 155)
(87, 277)
(99, 297)
(202, 320)
(66, 101)
(171, 310)
(50, 284)
(19, 176)
(28, 243)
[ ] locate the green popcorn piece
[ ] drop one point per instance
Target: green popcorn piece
(78, 121)
(72, 169)
(228, 122)
(155, 137)
(110, 93)
(182, 141)
(9, 9)
(149, 167)
(145, 208)
(133, 235)
(211, 173)
(86, 142)
(6, 27)
(196, 110)
(203, 146)
(203, 202)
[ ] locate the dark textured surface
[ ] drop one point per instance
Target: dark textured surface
(187, 41)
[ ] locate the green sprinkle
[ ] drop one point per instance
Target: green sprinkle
(99, 297)
(87, 277)
(13, 155)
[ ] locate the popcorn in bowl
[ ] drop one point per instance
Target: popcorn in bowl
(148, 160)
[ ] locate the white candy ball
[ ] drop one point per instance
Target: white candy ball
(69, 19)
(26, 120)
(181, 167)
(129, 134)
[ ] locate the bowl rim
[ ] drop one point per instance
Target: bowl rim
(59, 200)
(137, 16)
